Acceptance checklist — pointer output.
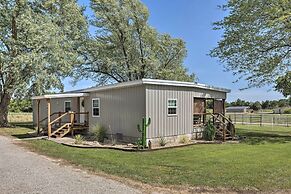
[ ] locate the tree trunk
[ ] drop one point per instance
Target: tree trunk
(4, 103)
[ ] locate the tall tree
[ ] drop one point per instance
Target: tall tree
(256, 43)
(39, 42)
(124, 46)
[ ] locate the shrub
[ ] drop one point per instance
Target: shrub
(209, 131)
(162, 141)
(287, 111)
(184, 139)
(79, 139)
(99, 133)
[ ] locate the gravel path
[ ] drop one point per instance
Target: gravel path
(24, 172)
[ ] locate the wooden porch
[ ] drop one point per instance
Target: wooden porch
(59, 124)
(225, 129)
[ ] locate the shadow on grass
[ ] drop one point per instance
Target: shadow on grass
(261, 138)
(25, 136)
(28, 125)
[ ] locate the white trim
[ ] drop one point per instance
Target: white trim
(70, 101)
(99, 107)
(157, 82)
(64, 95)
(183, 84)
(176, 107)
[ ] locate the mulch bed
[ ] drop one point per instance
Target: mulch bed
(128, 147)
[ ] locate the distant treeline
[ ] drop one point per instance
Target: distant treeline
(268, 104)
(20, 105)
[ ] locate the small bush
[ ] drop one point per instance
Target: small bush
(79, 139)
(162, 141)
(99, 133)
(184, 139)
(209, 131)
(287, 111)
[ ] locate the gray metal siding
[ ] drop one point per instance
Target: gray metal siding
(156, 108)
(121, 108)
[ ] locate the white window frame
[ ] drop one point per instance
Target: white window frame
(65, 105)
(96, 107)
(176, 107)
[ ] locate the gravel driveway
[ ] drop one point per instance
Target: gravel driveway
(24, 172)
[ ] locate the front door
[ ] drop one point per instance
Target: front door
(82, 109)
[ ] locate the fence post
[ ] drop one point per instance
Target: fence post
(235, 118)
(242, 119)
(287, 120)
(261, 120)
(250, 119)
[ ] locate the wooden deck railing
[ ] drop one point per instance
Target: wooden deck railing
(200, 120)
(60, 123)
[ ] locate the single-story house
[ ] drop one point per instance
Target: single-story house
(238, 109)
(175, 108)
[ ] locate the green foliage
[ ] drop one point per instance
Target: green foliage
(256, 42)
(39, 43)
(287, 111)
(256, 106)
(268, 104)
(142, 142)
(79, 139)
(209, 131)
(20, 105)
(99, 132)
(283, 84)
(125, 47)
(184, 139)
(162, 141)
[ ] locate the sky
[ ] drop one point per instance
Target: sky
(191, 20)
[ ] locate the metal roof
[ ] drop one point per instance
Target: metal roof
(83, 92)
(157, 82)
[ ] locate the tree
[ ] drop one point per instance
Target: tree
(283, 84)
(256, 106)
(124, 47)
(20, 105)
(39, 42)
(256, 43)
(266, 104)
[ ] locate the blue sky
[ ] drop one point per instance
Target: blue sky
(192, 21)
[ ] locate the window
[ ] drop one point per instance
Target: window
(96, 107)
(172, 107)
(67, 106)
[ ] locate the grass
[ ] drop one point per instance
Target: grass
(19, 117)
(261, 162)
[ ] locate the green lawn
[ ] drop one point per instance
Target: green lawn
(262, 161)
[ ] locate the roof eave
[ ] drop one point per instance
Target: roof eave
(65, 95)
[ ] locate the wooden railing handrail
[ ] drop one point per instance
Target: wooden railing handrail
(47, 117)
(222, 115)
(59, 117)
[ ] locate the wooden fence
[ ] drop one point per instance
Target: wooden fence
(261, 119)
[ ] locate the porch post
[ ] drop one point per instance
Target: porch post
(49, 127)
(213, 110)
(223, 119)
(204, 111)
(38, 125)
(223, 106)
